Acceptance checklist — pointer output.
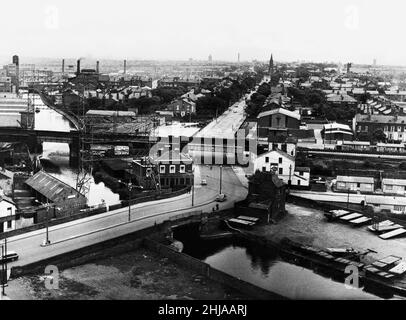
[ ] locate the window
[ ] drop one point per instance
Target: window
(182, 168)
(358, 185)
(298, 182)
(280, 171)
(366, 128)
(280, 160)
(267, 160)
(172, 169)
(162, 169)
(263, 169)
(389, 187)
(9, 225)
(301, 174)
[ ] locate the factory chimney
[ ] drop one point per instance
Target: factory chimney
(125, 66)
(63, 66)
(16, 62)
(98, 66)
(78, 68)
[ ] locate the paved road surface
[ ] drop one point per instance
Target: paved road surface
(91, 230)
(227, 124)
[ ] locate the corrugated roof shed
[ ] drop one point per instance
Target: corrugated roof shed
(52, 188)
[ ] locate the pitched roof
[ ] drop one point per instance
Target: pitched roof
(379, 118)
(7, 199)
(51, 188)
(280, 152)
(173, 157)
(279, 111)
(260, 177)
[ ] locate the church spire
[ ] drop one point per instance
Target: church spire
(271, 66)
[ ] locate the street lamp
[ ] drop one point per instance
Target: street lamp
(221, 179)
(47, 205)
(130, 188)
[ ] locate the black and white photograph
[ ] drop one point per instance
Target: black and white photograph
(209, 152)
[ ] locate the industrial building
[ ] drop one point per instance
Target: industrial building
(62, 198)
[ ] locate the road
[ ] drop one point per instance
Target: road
(88, 231)
(226, 125)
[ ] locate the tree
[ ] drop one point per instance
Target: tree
(379, 136)
(210, 106)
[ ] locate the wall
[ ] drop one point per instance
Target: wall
(394, 190)
(210, 272)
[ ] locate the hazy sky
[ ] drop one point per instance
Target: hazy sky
(321, 30)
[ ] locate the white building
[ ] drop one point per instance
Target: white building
(7, 214)
(394, 186)
(352, 183)
(283, 165)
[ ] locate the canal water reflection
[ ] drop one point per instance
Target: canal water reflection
(263, 268)
(58, 154)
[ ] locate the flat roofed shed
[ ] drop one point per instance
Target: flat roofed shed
(52, 188)
(355, 179)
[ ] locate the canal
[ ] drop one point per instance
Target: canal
(264, 268)
(58, 154)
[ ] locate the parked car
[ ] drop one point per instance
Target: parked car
(204, 182)
(9, 257)
(318, 180)
(221, 198)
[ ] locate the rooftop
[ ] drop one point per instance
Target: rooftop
(355, 179)
(379, 118)
(52, 188)
(110, 113)
(280, 111)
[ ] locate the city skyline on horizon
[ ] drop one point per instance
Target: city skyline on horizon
(314, 30)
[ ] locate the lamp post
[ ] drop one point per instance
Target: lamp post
(129, 188)
(221, 179)
(47, 205)
(193, 189)
(3, 272)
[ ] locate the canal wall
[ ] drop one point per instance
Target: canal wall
(206, 270)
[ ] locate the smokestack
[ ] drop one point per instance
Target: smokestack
(16, 61)
(78, 68)
(98, 66)
(63, 66)
(125, 66)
